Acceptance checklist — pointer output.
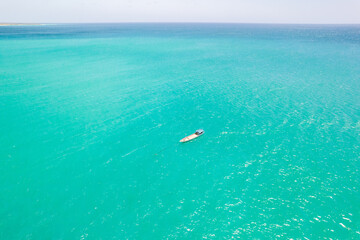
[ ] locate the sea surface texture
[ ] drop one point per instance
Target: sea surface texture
(91, 117)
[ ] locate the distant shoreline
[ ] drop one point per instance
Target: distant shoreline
(21, 24)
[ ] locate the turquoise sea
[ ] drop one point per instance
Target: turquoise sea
(91, 116)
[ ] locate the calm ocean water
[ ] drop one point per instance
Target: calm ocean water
(91, 116)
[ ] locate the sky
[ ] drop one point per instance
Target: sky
(242, 11)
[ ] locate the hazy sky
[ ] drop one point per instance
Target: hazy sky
(247, 11)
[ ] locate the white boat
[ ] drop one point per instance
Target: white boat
(197, 134)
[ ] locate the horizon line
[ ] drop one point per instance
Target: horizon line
(176, 22)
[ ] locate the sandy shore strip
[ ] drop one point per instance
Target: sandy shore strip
(22, 24)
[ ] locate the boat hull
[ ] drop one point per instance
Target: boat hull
(189, 138)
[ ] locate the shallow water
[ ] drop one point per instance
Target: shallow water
(91, 116)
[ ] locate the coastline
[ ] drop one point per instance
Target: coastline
(20, 24)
